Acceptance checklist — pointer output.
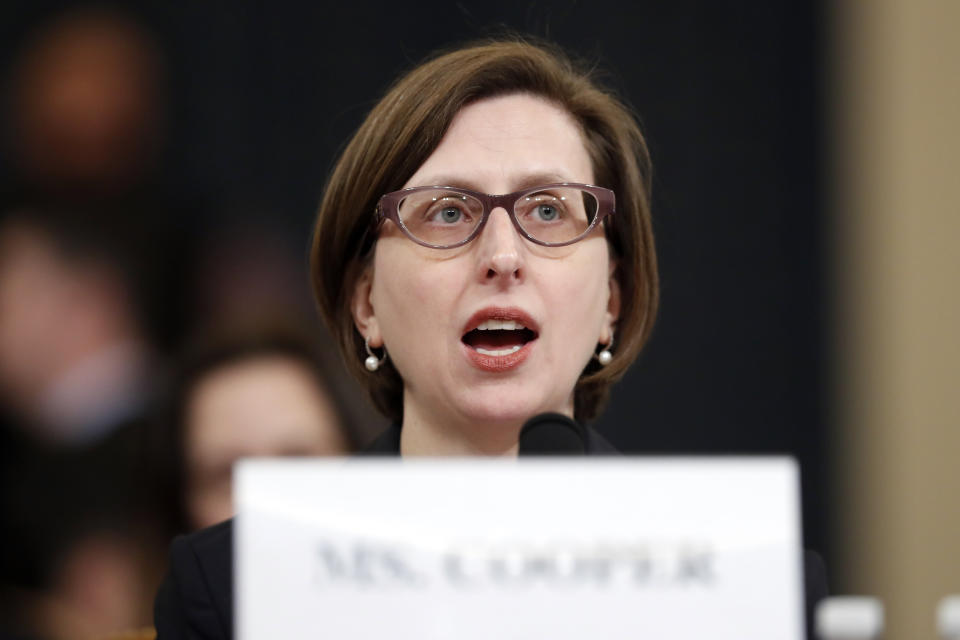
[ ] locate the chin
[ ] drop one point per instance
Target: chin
(512, 408)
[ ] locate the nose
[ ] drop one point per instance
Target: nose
(501, 251)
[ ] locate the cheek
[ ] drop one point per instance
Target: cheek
(399, 288)
(413, 297)
(581, 294)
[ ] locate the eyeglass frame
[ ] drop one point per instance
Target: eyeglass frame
(388, 208)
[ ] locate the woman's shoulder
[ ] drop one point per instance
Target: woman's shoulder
(597, 445)
(196, 597)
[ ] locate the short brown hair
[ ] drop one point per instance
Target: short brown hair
(404, 129)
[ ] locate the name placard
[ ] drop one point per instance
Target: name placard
(478, 549)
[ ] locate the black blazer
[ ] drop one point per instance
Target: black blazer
(195, 600)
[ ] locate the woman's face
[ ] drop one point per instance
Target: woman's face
(266, 405)
(425, 305)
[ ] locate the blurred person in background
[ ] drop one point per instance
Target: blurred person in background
(85, 134)
(84, 257)
(249, 263)
(90, 274)
(75, 358)
(82, 530)
(86, 107)
(261, 389)
(82, 549)
(98, 281)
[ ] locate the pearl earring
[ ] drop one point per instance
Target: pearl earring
(605, 356)
(372, 363)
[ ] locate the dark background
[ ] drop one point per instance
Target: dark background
(263, 95)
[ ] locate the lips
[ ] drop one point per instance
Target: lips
(498, 339)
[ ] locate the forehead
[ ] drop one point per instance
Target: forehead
(506, 143)
(258, 400)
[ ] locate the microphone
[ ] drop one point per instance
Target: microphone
(552, 434)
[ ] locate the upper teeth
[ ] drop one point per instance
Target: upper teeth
(508, 325)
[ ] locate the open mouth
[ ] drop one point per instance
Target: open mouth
(495, 337)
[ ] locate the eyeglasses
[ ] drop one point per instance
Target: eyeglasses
(552, 215)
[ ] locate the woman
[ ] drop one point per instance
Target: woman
(463, 310)
(254, 389)
(502, 118)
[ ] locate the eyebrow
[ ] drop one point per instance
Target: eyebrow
(530, 180)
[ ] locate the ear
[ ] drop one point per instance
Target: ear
(613, 305)
(361, 307)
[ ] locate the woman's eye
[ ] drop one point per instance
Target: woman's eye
(547, 212)
(543, 208)
(447, 211)
(449, 215)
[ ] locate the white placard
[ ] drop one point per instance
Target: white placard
(678, 548)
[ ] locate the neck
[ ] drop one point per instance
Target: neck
(432, 435)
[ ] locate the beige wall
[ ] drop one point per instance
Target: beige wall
(896, 94)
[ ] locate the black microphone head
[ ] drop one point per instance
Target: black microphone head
(552, 434)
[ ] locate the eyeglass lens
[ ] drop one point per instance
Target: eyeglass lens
(446, 217)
